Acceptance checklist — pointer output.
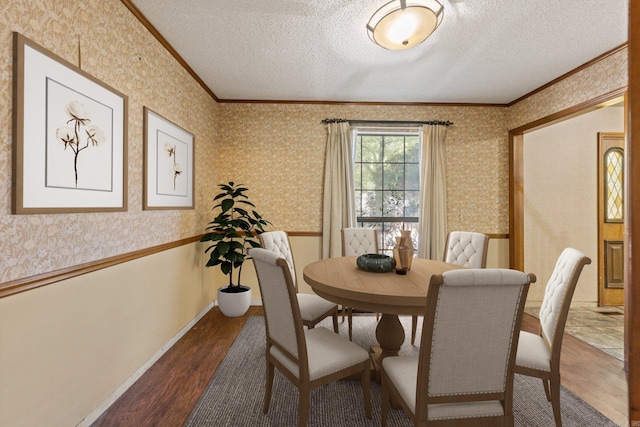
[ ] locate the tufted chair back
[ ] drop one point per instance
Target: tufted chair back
(558, 294)
(359, 241)
(466, 248)
(278, 242)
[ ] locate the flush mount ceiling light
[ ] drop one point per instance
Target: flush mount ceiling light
(401, 24)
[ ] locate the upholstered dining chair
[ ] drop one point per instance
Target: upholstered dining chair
(463, 375)
(539, 354)
(312, 307)
(308, 358)
(466, 248)
(355, 242)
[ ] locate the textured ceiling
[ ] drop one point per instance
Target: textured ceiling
(485, 51)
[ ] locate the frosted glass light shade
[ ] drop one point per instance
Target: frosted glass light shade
(404, 24)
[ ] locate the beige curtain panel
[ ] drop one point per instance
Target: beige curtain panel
(338, 207)
(433, 206)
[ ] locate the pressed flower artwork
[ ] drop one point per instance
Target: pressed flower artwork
(78, 141)
(171, 155)
(69, 138)
(82, 148)
(168, 167)
(175, 170)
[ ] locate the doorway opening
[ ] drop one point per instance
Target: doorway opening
(555, 188)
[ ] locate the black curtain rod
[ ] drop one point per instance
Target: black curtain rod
(391, 122)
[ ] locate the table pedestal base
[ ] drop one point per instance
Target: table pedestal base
(376, 364)
(390, 335)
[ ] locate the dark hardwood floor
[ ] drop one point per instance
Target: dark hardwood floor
(167, 392)
(597, 377)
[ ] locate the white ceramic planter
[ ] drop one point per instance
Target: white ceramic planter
(234, 304)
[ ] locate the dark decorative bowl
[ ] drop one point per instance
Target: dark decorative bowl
(376, 263)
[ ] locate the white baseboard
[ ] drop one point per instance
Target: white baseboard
(104, 405)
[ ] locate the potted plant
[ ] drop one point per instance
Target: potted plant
(231, 233)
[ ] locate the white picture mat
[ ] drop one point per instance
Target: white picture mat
(37, 67)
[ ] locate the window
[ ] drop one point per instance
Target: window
(614, 185)
(387, 183)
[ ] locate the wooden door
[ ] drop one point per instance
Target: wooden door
(611, 218)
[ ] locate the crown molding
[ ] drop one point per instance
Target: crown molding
(144, 21)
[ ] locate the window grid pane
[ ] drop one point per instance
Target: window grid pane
(387, 185)
(614, 171)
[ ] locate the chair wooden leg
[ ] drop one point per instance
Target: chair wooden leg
(268, 387)
(303, 406)
(335, 321)
(509, 421)
(384, 402)
(545, 383)
(414, 326)
(344, 309)
(365, 380)
(350, 321)
(555, 400)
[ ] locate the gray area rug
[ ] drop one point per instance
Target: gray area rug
(235, 394)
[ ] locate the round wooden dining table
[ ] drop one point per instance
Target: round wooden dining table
(339, 280)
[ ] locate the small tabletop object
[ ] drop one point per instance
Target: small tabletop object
(375, 263)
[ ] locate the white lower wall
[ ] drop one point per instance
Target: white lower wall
(65, 347)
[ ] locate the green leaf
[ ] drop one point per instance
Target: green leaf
(223, 247)
(235, 245)
(212, 237)
(241, 211)
(227, 204)
(206, 238)
(212, 263)
(238, 222)
(226, 267)
(232, 233)
(254, 244)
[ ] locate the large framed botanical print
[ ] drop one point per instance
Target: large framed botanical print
(69, 136)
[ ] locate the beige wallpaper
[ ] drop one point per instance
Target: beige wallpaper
(277, 150)
(118, 50)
